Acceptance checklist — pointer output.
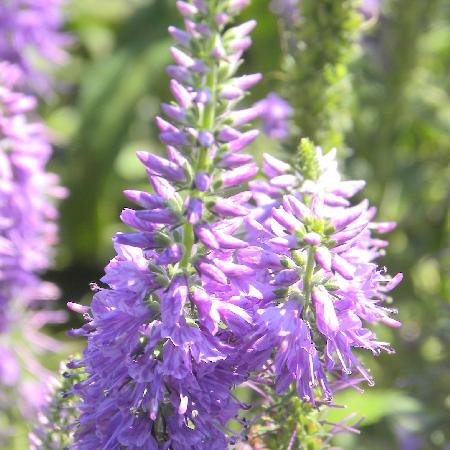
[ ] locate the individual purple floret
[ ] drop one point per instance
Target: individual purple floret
(30, 38)
(28, 233)
(328, 287)
(275, 114)
(166, 336)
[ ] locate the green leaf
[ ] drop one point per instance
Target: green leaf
(373, 405)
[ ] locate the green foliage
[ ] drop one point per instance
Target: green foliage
(290, 423)
(400, 137)
(317, 82)
(112, 89)
(373, 405)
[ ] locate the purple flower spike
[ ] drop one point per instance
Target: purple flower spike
(28, 234)
(167, 337)
(326, 280)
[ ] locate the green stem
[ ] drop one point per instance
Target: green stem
(209, 116)
(307, 280)
(206, 122)
(188, 242)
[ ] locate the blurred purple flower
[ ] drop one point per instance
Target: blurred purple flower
(27, 213)
(287, 10)
(30, 38)
(370, 9)
(28, 232)
(275, 113)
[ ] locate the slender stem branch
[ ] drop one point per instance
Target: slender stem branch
(206, 122)
(210, 109)
(188, 242)
(308, 279)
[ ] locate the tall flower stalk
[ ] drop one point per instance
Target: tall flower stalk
(27, 234)
(29, 39)
(328, 288)
(318, 39)
(166, 337)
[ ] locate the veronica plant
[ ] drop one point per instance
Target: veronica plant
(166, 337)
(210, 291)
(329, 287)
(27, 234)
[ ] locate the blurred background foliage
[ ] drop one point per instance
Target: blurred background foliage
(110, 93)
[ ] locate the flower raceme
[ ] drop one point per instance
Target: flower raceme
(29, 39)
(166, 337)
(28, 215)
(328, 286)
(28, 233)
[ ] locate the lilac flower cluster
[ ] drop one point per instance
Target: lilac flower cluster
(30, 37)
(329, 286)
(165, 338)
(27, 235)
